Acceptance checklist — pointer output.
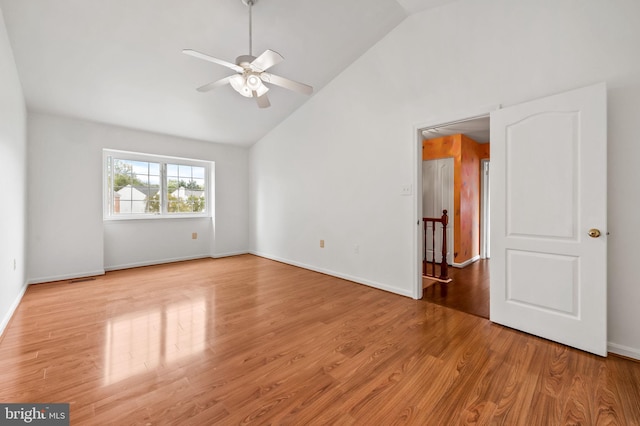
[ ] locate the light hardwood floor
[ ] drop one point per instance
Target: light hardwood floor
(245, 340)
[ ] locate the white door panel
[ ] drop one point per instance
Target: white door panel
(529, 145)
(548, 189)
(523, 286)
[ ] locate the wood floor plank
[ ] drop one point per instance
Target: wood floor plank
(246, 340)
(467, 292)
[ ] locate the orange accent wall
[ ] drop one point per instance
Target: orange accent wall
(466, 154)
(484, 150)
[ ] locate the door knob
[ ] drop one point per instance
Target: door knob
(594, 233)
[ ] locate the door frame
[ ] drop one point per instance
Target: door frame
(436, 121)
(485, 229)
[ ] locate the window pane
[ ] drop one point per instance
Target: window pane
(198, 205)
(184, 171)
(198, 184)
(198, 172)
(138, 206)
(153, 201)
(154, 169)
(172, 185)
(122, 170)
(121, 165)
(172, 170)
(140, 167)
(172, 206)
(126, 193)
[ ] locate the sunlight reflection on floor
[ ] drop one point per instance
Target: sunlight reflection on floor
(139, 342)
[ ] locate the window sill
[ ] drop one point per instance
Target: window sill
(156, 217)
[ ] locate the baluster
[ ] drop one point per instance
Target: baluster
(433, 248)
(424, 255)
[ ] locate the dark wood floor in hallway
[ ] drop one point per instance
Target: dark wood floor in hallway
(246, 340)
(467, 292)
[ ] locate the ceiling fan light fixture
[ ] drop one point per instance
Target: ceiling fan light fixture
(239, 85)
(254, 82)
(246, 86)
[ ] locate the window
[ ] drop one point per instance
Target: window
(143, 185)
(185, 188)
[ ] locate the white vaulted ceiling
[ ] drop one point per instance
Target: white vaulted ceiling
(120, 61)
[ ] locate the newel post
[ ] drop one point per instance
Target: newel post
(444, 268)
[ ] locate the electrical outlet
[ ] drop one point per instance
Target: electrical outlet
(356, 249)
(406, 189)
(194, 235)
(321, 243)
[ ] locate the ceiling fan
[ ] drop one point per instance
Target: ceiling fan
(251, 71)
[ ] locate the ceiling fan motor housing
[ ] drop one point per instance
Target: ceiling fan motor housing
(245, 60)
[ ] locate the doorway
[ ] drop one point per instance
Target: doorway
(549, 265)
(463, 142)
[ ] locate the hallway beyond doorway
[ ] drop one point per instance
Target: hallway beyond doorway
(468, 292)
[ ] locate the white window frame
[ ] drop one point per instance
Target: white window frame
(108, 154)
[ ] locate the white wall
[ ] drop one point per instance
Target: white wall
(67, 237)
(13, 164)
(131, 243)
(334, 169)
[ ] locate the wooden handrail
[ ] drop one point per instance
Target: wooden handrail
(444, 268)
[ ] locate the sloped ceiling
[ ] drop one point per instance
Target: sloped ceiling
(414, 6)
(120, 61)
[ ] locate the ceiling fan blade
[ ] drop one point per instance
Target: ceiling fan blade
(214, 84)
(265, 61)
(286, 83)
(263, 101)
(199, 55)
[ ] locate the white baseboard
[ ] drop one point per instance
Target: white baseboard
(132, 265)
(155, 262)
(466, 262)
(229, 254)
(624, 350)
(347, 277)
(66, 276)
(12, 309)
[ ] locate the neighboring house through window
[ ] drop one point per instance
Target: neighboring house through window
(145, 185)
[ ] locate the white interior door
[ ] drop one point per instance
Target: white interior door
(548, 190)
(437, 195)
